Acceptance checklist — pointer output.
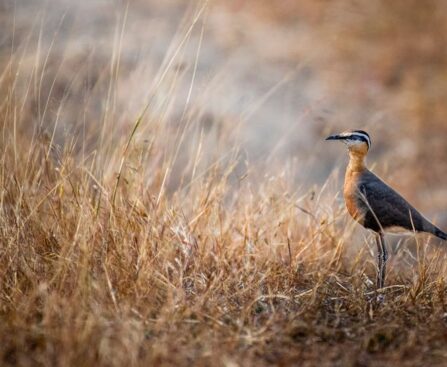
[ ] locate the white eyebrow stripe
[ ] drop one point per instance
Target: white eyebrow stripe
(362, 135)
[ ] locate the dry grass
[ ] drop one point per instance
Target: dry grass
(159, 241)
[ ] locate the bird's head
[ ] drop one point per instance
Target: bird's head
(357, 141)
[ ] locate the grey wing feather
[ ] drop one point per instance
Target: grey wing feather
(388, 207)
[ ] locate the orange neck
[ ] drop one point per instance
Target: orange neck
(356, 161)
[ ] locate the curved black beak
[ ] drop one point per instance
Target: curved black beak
(335, 137)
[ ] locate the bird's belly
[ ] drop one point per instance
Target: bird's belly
(353, 205)
(354, 210)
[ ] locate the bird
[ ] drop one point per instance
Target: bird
(373, 203)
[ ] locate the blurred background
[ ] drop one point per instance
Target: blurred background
(268, 79)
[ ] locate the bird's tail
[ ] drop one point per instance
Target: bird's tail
(442, 235)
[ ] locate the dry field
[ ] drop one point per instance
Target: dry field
(167, 197)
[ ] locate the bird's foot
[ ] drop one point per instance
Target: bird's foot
(376, 297)
(380, 299)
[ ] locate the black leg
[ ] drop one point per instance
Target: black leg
(382, 258)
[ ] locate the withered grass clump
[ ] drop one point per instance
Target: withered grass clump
(219, 271)
(158, 242)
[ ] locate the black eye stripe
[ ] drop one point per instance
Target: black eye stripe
(360, 138)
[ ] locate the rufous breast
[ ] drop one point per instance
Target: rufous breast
(351, 195)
